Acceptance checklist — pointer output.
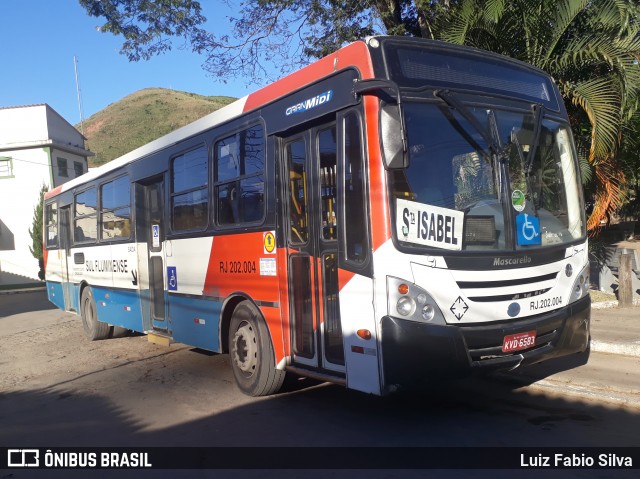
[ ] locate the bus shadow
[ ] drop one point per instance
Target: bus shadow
(478, 413)
(24, 302)
(531, 374)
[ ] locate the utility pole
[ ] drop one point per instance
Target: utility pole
(75, 66)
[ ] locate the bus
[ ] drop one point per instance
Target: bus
(397, 212)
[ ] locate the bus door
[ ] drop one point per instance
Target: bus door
(311, 230)
(150, 231)
(65, 246)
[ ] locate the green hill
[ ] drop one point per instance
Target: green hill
(142, 117)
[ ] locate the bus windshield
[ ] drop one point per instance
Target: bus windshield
(503, 180)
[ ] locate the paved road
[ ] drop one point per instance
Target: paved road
(56, 389)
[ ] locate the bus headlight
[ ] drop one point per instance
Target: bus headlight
(580, 285)
(428, 312)
(405, 306)
(409, 301)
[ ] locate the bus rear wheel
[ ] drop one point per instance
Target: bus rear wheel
(251, 353)
(93, 329)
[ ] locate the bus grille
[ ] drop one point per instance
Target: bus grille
(507, 290)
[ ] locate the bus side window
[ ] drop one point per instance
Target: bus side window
(239, 169)
(115, 209)
(354, 191)
(51, 215)
(86, 216)
(189, 190)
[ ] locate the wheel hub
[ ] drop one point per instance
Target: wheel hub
(245, 348)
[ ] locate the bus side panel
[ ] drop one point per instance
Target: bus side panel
(74, 289)
(194, 318)
(53, 271)
(356, 312)
(55, 293)
(118, 307)
(124, 303)
(247, 264)
(142, 278)
(110, 271)
(195, 321)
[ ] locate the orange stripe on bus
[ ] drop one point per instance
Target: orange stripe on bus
(356, 55)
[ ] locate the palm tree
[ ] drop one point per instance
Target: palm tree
(590, 47)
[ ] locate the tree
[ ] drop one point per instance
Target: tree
(266, 33)
(36, 231)
(590, 48)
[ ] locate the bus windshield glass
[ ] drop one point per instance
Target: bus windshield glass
(473, 184)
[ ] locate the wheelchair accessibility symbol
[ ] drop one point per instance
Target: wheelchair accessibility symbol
(172, 278)
(528, 229)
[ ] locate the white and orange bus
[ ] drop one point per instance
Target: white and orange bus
(398, 211)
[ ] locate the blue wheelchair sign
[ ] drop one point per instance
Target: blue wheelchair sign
(172, 278)
(528, 229)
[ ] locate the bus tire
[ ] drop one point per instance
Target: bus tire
(93, 329)
(251, 353)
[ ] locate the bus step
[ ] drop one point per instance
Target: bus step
(159, 339)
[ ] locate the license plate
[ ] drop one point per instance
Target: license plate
(516, 342)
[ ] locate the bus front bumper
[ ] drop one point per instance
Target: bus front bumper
(415, 353)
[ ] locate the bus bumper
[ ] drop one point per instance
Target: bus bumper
(415, 353)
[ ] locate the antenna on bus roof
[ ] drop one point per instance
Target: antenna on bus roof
(75, 66)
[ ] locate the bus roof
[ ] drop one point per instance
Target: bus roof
(352, 55)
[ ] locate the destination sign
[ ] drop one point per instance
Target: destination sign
(429, 225)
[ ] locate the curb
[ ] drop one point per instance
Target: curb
(628, 349)
(586, 392)
(611, 304)
(26, 289)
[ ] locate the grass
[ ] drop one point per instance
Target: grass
(142, 117)
(600, 296)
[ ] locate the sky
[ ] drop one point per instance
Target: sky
(41, 37)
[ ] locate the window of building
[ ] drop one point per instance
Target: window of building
(78, 168)
(115, 211)
(85, 225)
(239, 189)
(51, 224)
(63, 167)
(6, 167)
(189, 192)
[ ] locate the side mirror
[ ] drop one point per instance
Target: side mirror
(393, 142)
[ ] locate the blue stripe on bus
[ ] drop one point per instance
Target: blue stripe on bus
(55, 294)
(75, 297)
(118, 307)
(195, 321)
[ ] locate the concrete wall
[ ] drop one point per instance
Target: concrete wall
(18, 198)
(34, 137)
(71, 159)
(24, 124)
(59, 130)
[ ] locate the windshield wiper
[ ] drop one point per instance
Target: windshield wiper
(449, 99)
(537, 111)
(492, 138)
(526, 165)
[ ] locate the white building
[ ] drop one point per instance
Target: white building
(37, 146)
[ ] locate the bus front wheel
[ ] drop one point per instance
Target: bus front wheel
(251, 353)
(93, 329)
